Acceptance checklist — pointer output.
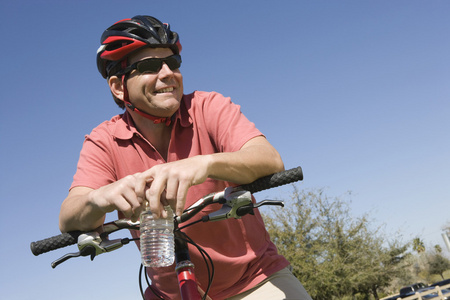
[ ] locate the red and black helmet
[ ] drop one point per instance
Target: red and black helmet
(129, 35)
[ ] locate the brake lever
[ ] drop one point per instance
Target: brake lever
(89, 250)
(97, 242)
(269, 202)
(248, 209)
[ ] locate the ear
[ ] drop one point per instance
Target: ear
(116, 87)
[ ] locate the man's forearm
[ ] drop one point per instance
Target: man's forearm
(77, 214)
(257, 158)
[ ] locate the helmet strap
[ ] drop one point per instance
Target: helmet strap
(126, 99)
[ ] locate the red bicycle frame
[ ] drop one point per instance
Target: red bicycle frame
(185, 270)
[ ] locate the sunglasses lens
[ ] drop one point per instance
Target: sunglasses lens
(173, 62)
(149, 65)
(154, 65)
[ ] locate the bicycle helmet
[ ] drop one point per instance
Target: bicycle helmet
(129, 35)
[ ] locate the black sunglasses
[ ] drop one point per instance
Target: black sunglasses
(154, 65)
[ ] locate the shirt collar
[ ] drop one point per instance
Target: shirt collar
(183, 114)
(125, 127)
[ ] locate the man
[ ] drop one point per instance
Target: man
(171, 148)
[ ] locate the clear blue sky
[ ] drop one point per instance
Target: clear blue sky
(356, 92)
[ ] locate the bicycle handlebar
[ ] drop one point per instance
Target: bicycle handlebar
(70, 238)
(55, 242)
(274, 180)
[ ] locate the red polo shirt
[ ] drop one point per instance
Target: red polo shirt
(206, 123)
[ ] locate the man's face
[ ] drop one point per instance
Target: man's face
(158, 93)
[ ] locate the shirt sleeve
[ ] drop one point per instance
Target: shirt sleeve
(227, 125)
(95, 166)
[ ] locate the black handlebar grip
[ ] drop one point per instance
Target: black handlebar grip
(274, 180)
(55, 242)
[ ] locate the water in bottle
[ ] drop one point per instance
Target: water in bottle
(157, 242)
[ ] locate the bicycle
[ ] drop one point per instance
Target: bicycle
(236, 202)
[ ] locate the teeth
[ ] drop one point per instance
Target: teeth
(166, 90)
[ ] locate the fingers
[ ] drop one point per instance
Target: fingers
(140, 185)
(153, 196)
(122, 196)
(183, 188)
(130, 202)
(162, 191)
(169, 186)
(175, 194)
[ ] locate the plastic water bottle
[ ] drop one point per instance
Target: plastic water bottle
(157, 242)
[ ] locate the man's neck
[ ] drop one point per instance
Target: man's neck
(157, 134)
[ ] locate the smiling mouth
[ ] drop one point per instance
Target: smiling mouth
(165, 90)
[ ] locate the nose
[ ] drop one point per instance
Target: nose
(165, 71)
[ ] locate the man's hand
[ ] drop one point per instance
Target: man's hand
(85, 208)
(121, 195)
(168, 184)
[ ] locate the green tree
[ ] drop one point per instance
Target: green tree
(418, 245)
(438, 248)
(437, 264)
(333, 254)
